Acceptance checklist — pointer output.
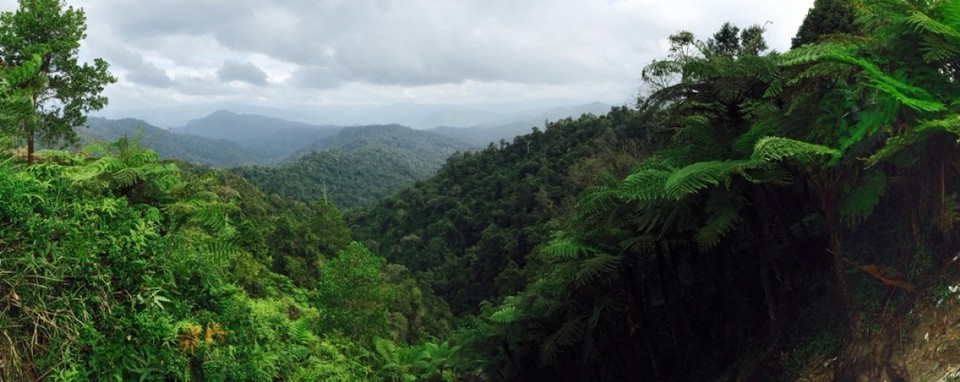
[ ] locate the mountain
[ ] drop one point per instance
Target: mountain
(170, 145)
(507, 129)
(416, 115)
(357, 166)
(392, 137)
(277, 138)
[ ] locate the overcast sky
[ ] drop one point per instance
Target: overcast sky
(295, 53)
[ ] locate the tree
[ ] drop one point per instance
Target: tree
(53, 30)
(826, 17)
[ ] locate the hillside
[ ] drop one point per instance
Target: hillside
(485, 211)
(171, 145)
(357, 166)
(484, 134)
(277, 138)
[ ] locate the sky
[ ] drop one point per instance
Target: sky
(303, 53)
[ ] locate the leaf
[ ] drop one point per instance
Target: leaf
(506, 315)
(597, 266)
(775, 149)
(858, 204)
(698, 176)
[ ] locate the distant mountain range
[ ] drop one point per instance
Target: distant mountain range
(491, 133)
(358, 166)
(352, 166)
(275, 138)
(417, 116)
(171, 145)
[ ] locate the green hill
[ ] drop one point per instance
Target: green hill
(171, 145)
(277, 138)
(357, 166)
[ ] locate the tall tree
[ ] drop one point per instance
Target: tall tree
(53, 30)
(826, 17)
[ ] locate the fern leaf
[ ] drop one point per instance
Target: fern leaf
(775, 149)
(899, 142)
(564, 249)
(569, 333)
(921, 21)
(299, 332)
(719, 224)
(597, 266)
(698, 176)
(598, 200)
(645, 185)
(506, 315)
(858, 204)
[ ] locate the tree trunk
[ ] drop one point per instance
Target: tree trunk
(835, 232)
(765, 264)
(30, 142)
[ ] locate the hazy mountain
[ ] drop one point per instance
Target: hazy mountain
(486, 134)
(171, 145)
(415, 115)
(277, 138)
(358, 165)
(392, 137)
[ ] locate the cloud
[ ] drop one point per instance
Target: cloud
(243, 72)
(136, 69)
(334, 51)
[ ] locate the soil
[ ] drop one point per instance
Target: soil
(924, 345)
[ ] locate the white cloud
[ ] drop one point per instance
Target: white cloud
(384, 51)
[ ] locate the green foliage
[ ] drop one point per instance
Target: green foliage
(498, 201)
(357, 166)
(826, 18)
(172, 145)
(104, 281)
(68, 89)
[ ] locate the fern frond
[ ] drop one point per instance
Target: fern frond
(858, 204)
(564, 249)
(596, 266)
(569, 333)
(506, 315)
(645, 185)
(300, 332)
(920, 21)
(775, 149)
(899, 142)
(598, 199)
(950, 12)
(724, 209)
(698, 176)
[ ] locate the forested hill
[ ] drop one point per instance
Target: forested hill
(760, 212)
(276, 137)
(357, 166)
(484, 134)
(434, 149)
(485, 211)
(170, 145)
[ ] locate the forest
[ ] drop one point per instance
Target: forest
(754, 215)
